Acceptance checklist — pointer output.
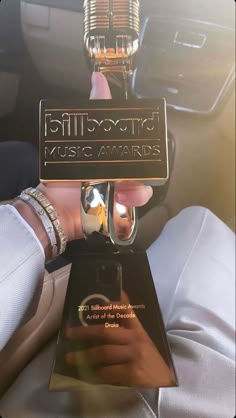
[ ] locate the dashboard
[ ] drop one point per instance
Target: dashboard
(182, 44)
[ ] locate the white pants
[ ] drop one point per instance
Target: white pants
(193, 267)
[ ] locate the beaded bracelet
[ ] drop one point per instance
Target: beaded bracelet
(42, 214)
(52, 214)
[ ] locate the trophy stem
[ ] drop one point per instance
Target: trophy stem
(118, 78)
(99, 212)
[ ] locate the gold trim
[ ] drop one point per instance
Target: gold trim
(67, 141)
(104, 180)
(103, 108)
(100, 162)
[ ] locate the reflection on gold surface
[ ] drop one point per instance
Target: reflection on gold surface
(95, 200)
(119, 351)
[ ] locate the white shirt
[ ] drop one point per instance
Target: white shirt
(21, 269)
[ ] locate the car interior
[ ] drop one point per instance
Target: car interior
(187, 56)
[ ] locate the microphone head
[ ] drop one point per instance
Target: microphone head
(111, 32)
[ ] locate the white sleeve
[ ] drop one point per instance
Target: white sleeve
(193, 266)
(22, 263)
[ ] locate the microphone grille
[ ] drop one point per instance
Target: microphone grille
(96, 15)
(108, 14)
(111, 28)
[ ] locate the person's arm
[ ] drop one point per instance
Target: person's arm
(21, 269)
(34, 223)
(25, 245)
(193, 266)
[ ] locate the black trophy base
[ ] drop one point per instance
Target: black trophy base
(112, 331)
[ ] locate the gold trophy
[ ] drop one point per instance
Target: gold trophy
(112, 331)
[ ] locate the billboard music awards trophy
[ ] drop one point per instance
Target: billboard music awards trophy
(111, 302)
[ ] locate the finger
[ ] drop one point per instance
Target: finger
(100, 87)
(100, 355)
(132, 193)
(98, 333)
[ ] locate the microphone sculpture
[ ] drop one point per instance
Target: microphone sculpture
(111, 37)
(111, 40)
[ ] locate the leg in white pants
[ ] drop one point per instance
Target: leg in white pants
(193, 269)
(193, 266)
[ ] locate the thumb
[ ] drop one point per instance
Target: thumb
(100, 87)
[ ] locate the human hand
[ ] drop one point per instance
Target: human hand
(65, 196)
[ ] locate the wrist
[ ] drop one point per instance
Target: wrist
(66, 201)
(34, 222)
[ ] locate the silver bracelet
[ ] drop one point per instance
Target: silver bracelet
(43, 216)
(52, 214)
